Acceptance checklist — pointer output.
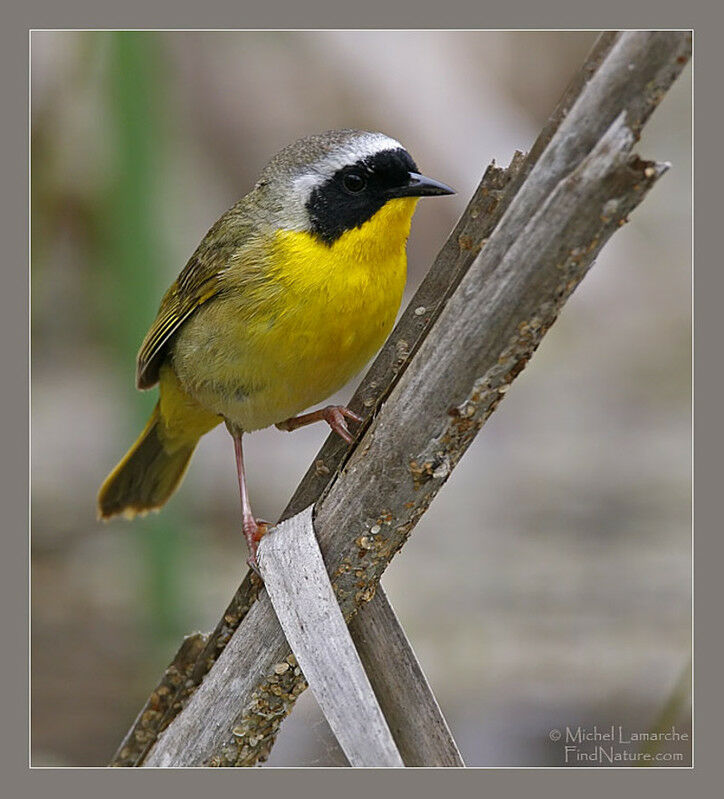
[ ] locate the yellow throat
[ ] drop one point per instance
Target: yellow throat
(340, 303)
(373, 253)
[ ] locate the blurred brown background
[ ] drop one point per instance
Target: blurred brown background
(550, 582)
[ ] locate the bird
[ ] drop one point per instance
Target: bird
(288, 296)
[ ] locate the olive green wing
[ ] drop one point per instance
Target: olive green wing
(201, 279)
(176, 307)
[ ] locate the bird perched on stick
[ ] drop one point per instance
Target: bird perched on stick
(287, 297)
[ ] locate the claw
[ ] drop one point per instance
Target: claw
(254, 531)
(254, 566)
(334, 417)
(350, 414)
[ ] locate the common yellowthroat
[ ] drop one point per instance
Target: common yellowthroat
(288, 295)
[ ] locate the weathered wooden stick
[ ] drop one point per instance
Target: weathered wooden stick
(298, 586)
(177, 675)
(416, 721)
(635, 71)
(422, 735)
(204, 733)
(286, 556)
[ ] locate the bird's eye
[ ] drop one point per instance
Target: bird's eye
(354, 182)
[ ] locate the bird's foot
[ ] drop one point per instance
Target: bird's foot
(334, 415)
(254, 531)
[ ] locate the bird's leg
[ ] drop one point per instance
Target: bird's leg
(253, 530)
(333, 415)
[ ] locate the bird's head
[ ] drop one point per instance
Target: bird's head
(336, 181)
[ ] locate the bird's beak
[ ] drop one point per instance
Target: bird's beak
(420, 186)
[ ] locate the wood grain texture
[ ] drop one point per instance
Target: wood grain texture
(423, 736)
(412, 712)
(204, 733)
(570, 199)
(142, 734)
(298, 586)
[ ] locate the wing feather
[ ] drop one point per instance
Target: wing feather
(201, 279)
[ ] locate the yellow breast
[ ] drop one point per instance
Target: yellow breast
(323, 314)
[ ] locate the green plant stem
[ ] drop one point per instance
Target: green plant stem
(135, 257)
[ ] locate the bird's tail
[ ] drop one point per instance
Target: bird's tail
(149, 473)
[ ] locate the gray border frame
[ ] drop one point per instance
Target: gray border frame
(14, 321)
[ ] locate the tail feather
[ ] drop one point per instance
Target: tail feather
(147, 476)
